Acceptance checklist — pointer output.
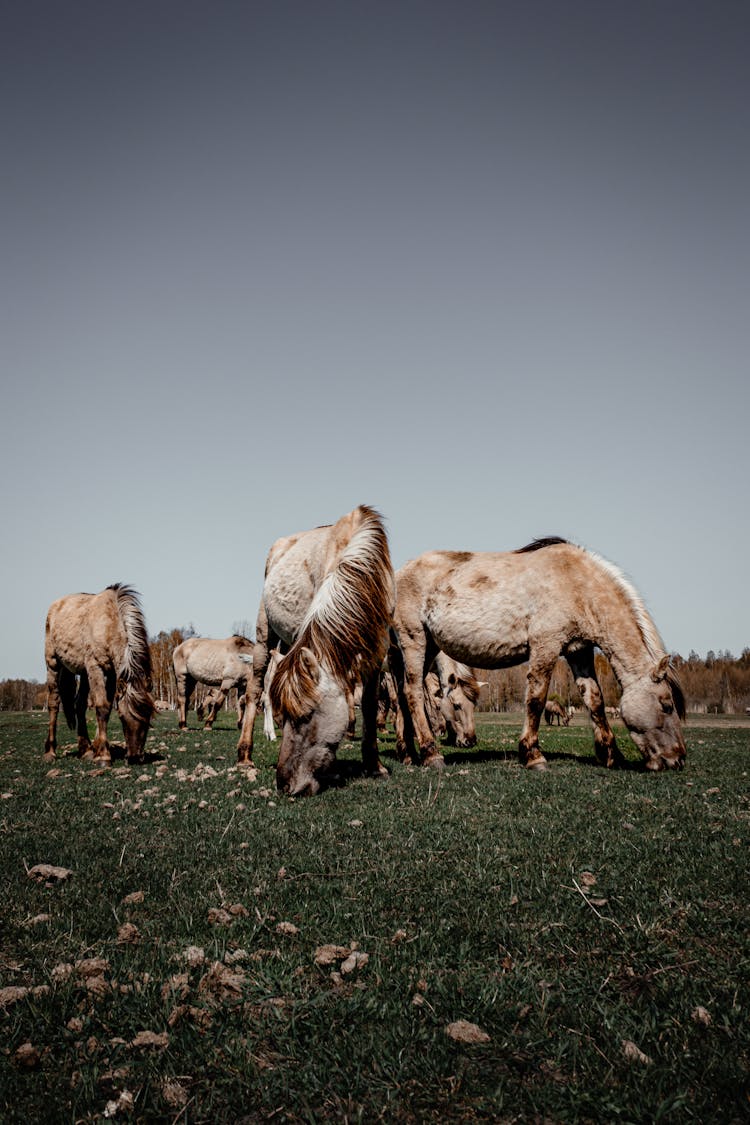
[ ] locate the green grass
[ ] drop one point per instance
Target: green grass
(467, 891)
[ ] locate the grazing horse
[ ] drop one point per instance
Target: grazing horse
(328, 594)
(450, 695)
(102, 640)
(553, 711)
(219, 663)
(497, 610)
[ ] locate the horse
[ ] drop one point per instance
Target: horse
(328, 595)
(218, 663)
(500, 609)
(450, 695)
(102, 640)
(459, 693)
(553, 711)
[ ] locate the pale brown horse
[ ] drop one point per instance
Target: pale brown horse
(553, 712)
(451, 691)
(496, 610)
(328, 595)
(102, 640)
(222, 664)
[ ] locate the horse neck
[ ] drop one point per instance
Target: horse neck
(617, 632)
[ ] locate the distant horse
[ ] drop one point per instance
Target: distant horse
(496, 610)
(220, 664)
(450, 695)
(553, 711)
(328, 594)
(102, 640)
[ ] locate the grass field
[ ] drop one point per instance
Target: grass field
(590, 928)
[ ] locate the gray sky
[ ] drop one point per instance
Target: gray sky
(481, 265)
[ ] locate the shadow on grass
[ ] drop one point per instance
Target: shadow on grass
(467, 757)
(118, 753)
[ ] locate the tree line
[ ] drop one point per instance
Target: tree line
(717, 684)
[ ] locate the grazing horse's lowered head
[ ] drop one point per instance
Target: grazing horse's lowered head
(341, 642)
(651, 708)
(315, 721)
(460, 692)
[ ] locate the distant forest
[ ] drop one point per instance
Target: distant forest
(718, 684)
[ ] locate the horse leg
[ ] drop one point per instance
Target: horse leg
(581, 663)
(370, 758)
(102, 694)
(541, 667)
(418, 651)
(185, 685)
(265, 639)
(403, 726)
(351, 729)
(81, 706)
(53, 707)
(217, 702)
(188, 689)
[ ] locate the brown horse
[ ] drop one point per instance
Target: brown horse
(222, 664)
(553, 712)
(102, 640)
(496, 610)
(328, 595)
(450, 695)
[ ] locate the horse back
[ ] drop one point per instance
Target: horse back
(486, 608)
(83, 629)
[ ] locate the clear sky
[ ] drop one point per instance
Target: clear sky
(482, 265)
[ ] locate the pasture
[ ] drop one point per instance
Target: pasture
(220, 953)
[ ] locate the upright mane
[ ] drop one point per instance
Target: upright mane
(135, 669)
(646, 627)
(538, 544)
(347, 623)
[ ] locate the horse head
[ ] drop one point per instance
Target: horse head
(314, 712)
(458, 711)
(136, 710)
(460, 692)
(652, 708)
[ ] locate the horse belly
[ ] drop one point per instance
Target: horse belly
(479, 634)
(208, 669)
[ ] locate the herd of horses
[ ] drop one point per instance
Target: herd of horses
(336, 624)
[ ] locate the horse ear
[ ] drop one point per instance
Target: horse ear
(660, 670)
(310, 662)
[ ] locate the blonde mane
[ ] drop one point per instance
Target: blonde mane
(647, 629)
(346, 626)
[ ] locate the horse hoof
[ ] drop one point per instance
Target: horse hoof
(539, 763)
(436, 761)
(246, 764)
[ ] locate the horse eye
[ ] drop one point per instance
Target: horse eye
(667, 708)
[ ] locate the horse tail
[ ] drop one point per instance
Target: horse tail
(346, 626)
(134, 672)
